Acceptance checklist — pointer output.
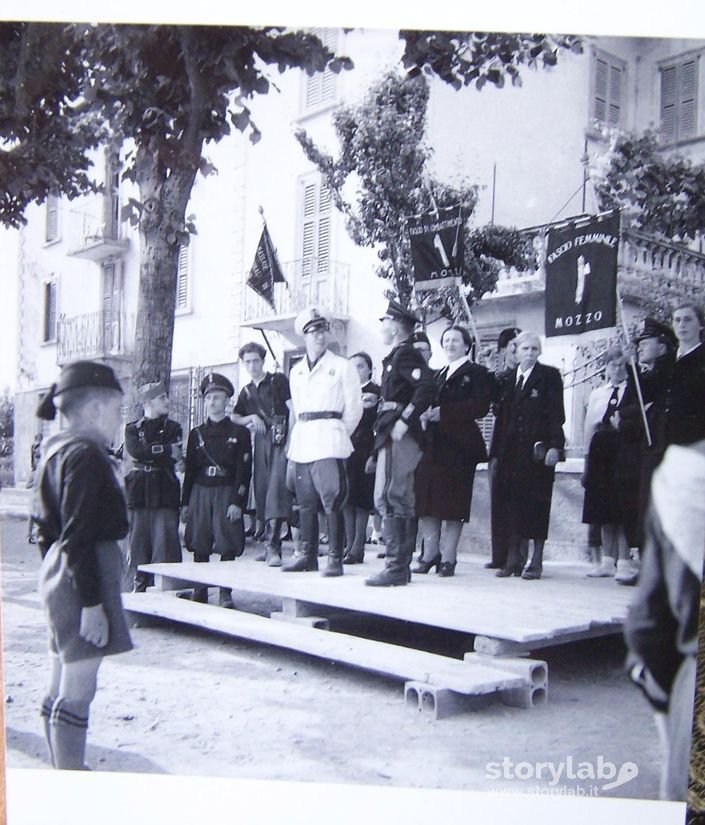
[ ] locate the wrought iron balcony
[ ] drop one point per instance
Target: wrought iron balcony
(308, 281)
(95, 239)
(96, 335)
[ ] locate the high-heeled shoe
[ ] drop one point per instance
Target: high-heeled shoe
(447, 569)
(427, 566)
(505, 572)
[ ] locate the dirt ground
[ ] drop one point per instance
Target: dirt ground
(189, 703)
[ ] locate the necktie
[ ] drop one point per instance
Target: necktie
(518, 388)
(611, 406)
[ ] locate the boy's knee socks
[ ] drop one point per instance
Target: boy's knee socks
(68, 728)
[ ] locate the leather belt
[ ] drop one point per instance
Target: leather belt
(387, 406)
(316, 416)
(146, 468)
(213, 471)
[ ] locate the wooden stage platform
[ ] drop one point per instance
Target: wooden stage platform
(507, 618)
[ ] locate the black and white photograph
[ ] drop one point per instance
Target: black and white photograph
(352, 415)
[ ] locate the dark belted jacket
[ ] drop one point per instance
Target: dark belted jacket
(152, 481)
(408, 388)
(219, 453)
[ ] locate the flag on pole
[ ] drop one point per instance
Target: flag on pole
(265, 271)
(581, 276)
(437, 248)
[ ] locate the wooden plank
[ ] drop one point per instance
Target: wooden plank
(563, 605)
(379, 657)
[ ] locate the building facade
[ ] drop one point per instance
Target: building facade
(528, 149)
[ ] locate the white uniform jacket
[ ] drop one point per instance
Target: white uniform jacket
(332, 385)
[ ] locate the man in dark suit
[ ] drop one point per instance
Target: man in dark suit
(527, 444)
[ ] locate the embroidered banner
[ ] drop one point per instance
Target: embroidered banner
(437, 248)
(581, 276)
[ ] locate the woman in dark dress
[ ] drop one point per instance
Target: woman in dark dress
(361, 478)
(81, 514)
(445, 475)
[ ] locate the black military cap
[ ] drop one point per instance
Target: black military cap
(216, 381)
(419, 337)
(396, 312)
(506, 336)
(651, 328)
(75, 376)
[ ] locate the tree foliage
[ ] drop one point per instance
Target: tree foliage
(464, 58)
(382, 177)
(46, 131)
(168, 90)
(658, 191)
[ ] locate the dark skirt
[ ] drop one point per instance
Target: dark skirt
(444, 491)
(601, 502)
(361, 485)
(63, 607)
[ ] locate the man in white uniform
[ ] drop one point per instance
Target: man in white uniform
(327, 405)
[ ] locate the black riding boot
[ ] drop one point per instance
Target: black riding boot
(396, 564)
(336, 541)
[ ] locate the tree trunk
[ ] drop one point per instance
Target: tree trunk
(164, 201)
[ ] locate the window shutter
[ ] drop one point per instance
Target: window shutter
(108, 289)
(668, 104)
(321, 87)
(600, 101)
(615, 96)
(679, 100)
(182, 279)
(50, 312)
(687, 110)
(608, 89)
(323, 243)
(52, 218)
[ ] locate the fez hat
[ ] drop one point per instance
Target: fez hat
(396, 312)
(651, 328)
(309, 319)
(506, 336)
(76, 376)
(216, 381)
(152, 390)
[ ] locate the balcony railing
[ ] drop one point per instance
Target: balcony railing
(308, 281)
(94, 335)
(93, 238)
(641, 259)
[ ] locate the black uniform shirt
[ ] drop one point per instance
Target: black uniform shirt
(148, 441)
(225, 445)
(79, 501)
(407, 381)
(269, 397)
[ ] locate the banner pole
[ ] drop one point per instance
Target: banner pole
(269, 347)
(632, 363)
(476, 334)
